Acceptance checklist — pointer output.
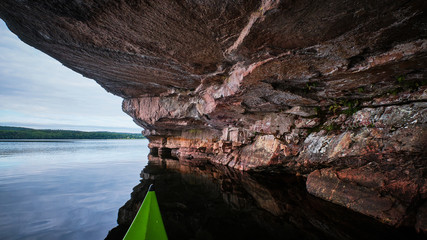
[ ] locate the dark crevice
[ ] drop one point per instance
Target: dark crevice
(394, 104)
(154, 152)
(357, 59)
(167, 153)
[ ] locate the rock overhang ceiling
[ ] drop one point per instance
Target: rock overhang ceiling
(333, 90)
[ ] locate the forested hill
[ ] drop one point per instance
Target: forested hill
(29, 133)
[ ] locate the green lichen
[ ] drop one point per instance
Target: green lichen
(331, 127)
(413, 85)
(327, 128)
(195, 131)
(352, 107)
(395, 91)
(334, 107)
(348, 107)
(318, 110)
(311, 85)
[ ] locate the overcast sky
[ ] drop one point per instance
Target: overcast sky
(37, 91)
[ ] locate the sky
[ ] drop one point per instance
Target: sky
(37, 91)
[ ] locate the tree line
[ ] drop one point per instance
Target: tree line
(29, 133)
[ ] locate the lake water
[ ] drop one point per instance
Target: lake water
(208, 202)
(74, 190)
(66, 189)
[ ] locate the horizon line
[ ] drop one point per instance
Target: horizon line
(83, 128)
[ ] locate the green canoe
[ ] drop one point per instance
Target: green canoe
(148, 223)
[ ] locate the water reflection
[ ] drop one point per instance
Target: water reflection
(215, 202)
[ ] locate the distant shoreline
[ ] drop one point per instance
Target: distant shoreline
(38, 140)
(63, 140)
(15, 134)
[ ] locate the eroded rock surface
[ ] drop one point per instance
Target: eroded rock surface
(334, 90)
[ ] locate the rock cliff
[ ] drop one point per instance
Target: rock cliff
(335, 91)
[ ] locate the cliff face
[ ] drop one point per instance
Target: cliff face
(334, 90)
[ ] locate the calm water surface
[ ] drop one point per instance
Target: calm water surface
(74, 189)
(209, 202)
(66, 189)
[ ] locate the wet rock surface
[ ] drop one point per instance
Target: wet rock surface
(332, 91)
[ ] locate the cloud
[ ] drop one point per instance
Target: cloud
(35, 89)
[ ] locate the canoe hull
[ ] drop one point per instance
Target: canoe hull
(148, 223)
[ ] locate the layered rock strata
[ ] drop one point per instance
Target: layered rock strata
(335, 91)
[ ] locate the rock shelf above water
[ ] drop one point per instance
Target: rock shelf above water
(335, 91)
